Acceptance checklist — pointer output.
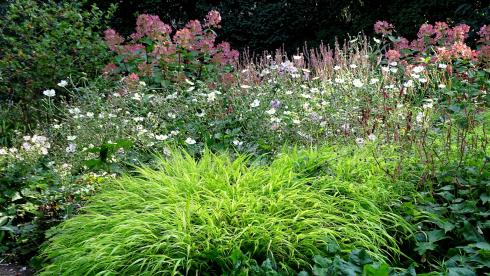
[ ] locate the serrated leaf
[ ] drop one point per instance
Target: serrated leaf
(321, 261)
(376, 270)
(360, 257)
(436, 235)
(423, 247)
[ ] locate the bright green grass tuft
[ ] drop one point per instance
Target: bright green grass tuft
(188, 216)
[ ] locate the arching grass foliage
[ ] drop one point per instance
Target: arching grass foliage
(188, 216)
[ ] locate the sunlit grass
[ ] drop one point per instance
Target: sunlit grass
(188, 216)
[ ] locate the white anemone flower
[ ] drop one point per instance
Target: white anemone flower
(418, 69)
(71, 148)
(360, 141)
(190, 141)
(357, 83)
(161, 137)
(49, 93)
(62, 83)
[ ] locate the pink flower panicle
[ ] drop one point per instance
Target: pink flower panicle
(166, 49)
(109, 69)
(213, 18)
(484, 55)
(401, 44)
(112, 39)
(393, 55)
(383, 27)
(460, 32)
(194, 26)
(461, 50)
(426, 30)
(206, 44)
(185, 38)
(151, 26)
(484, 34)
(224, 55)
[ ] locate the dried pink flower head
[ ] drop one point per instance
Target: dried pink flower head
(442, 31)
(224, 55)
(484, 55)
(383, 27)
(133, 77)
(443, 54)
(164, 51)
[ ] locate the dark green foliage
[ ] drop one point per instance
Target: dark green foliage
(459, 229)
(358, 263)
(45, 42)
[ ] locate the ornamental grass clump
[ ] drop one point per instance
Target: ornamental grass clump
(189, 217)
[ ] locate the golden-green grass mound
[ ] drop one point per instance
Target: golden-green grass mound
(188, 216)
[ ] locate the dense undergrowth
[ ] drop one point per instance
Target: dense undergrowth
(370, 157)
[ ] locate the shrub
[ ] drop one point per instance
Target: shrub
(43, 42)
(189, 216)
(156, 56)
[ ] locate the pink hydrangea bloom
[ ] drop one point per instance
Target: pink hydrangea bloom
(109, 69)
(484, 34)
(401, 44)
(213, 18)
(383, 27)
(151, 26)
(184, 38)
(206, 44)
(443, 54)
(484, 54)
(112, 39)
(194, 26)
(224, 55)
(461, 50)
(393, 55)
(460, 32)
(443, 32)
(426, 30)
(164, 51)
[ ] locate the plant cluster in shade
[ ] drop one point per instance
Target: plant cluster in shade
(160, 56)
